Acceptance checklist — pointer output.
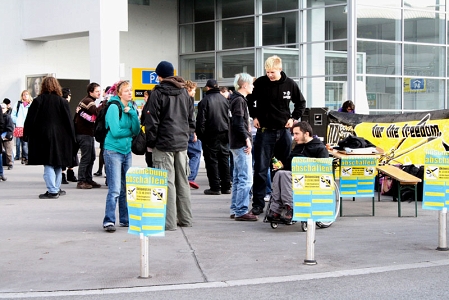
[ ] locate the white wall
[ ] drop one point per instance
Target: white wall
(151, 37)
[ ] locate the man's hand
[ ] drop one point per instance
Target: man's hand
(290, 123)
(195, 138)
(256, 123)
(248, 146)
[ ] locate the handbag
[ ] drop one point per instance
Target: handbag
(18, 132)
(139, 143)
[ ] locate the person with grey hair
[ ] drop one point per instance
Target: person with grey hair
(241, 144)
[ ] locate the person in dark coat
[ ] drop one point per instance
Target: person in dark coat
(281, 205)
(50, 134)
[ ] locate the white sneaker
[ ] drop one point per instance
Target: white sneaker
(267, 197)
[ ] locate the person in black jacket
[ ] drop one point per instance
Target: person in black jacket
(212, 128)
(2, 128)
(281, 205)
(167, 127)
(270, 110)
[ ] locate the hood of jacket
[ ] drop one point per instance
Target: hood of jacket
(171, 85)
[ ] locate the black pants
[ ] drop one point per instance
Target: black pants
(216, 157)
(88, 155)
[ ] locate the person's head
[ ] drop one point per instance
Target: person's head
(273, 67)
(302, 132)
(243, 83)
(51, 85)
(165, 69)
(4, 108)
(66, 94)
(191, 87)
(211, 84)
(105, 91)
(146, 95)
(124, 90)
(7, 102)
(35, 86)
(25, 96)
(348, 106)
(94, 90)
(225, 91)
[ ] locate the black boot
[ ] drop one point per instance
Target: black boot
(64, 180)
(71, 176)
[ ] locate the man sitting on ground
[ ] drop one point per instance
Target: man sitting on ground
(282, 193)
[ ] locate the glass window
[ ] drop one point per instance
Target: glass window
(290, 61)
(381, 3)
(235, 8)
(424, 27)
(195, 11)
(420, 60)
(334, 93)
(198, 68)
(381, 58)
(326, 23)
(278, 5)
(279, 29)
(197, 37)
(336, 64)
(238, 33)
(423, 94)
(378, 23)
(426, 4)
(235, 62)
(383, 92)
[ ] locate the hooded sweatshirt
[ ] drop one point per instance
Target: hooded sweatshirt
(314, 149)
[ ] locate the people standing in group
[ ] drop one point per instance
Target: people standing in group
(19, 115)
(7, 134)
(100, 106)
(123, 124)
(241, 145)
(50, 134)
(194, 147)
(212, 128)
(270, 110)
(348, 107)
(167, 128)
(84, 130)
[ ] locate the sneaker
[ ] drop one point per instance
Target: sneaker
(211, 192)
(272, 216)
(194, 185)
(124, 224)
(257, 210)
(98, 173)
(288, 215)
(94, 184)
(48, 195)
(3, 178)
(247, 217)
(109, 228)
(62, 192)
(267, 197)
(83, 185)
(226, 191)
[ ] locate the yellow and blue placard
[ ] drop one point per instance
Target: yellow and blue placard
(357, 175)
(313, 189)
(436, 180)
(146, 195)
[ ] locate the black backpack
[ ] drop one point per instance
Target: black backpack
(100, 123)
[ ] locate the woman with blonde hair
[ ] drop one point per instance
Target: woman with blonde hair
(50, 134)
(18, 116)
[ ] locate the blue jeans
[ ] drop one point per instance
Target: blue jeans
(241, 182)
(19, 142)
(116, 165)
(268, 143)
(194, 154)
(52, 178)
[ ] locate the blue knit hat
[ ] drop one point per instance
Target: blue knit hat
(165, 69)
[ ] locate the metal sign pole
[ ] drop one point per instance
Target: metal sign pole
(144, 256)
(442, 230)
(310, 243)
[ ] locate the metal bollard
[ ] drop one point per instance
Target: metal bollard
(442, 230)
(144, 256)
(310, 243)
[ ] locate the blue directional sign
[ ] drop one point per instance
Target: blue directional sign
(149, 77)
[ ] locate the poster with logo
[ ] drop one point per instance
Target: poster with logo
(313, 189)
(357, 174)
(146, 195)
(436, 180)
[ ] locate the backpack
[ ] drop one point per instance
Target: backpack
(100, 123)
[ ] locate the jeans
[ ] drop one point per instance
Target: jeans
(52, 178)
(242, 182)
(178, 198)
(116, 166)
(19, 142)
(268, 143)
(194, 154)
(216, 157)
(87, 146)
